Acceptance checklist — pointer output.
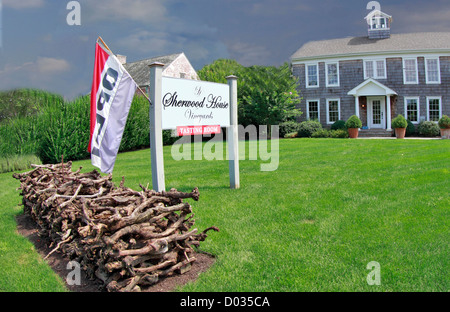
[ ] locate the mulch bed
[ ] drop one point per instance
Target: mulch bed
(29, 229)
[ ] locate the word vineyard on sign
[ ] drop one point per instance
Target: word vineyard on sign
(187, 103)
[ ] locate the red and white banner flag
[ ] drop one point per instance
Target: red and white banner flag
(111, 96)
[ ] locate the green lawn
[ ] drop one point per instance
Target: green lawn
(331, 207)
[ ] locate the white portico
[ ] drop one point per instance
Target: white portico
(378, 103)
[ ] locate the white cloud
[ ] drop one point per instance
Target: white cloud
(23, 4)
(42, 73)
(248, 54)
(9, 69)
(134, 10)
(51, 65)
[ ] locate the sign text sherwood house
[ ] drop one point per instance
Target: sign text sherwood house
(192, 106)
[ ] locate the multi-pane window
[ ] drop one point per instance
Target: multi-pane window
(410, 71)
(434, 108)
(369, 69)
(381, 70)
(332, 110)
(332, 71)
(412, 109)
(375, 69)
(432, 71)
(313, 109)
(376, 112)
(312, 75)
(379, 22)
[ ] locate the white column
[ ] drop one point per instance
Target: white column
(156, 141)
(388, 112)
(232, 134)
(357, 105)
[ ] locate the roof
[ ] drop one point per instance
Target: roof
(397, 43)
(377, 13)
(140, 72)
(371, 87)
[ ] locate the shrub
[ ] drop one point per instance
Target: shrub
(340, 124)
(168, 138)
(399, 122)
(335, 134)
(291, 135)
(410, 129)
(288, 127)
(323, 133)
(64, 131)
(428, 129)
(25, 103)
(19, 136)
(136, 133)
(444, 122)
(339, 134)
(353, 122)
(307, 128)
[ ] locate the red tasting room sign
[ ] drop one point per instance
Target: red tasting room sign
(197, 130)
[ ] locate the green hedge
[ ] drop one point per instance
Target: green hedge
(65, 132)
(288, 127)
(62, 128)
(335, 134)
(428, 129)
(308, 128)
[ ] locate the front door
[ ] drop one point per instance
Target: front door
(376, 111)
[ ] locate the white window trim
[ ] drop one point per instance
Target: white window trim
(404, 71)
(307, 76)
(326, 74)
(439, 70)
(418, 107)
(369, 56)
(374, 64)
(318, 108)
(378, 23)
(328, 110)
(428, 105)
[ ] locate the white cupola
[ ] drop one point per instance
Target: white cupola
(379, 24)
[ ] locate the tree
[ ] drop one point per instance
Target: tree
(219, 70)
(267, 95)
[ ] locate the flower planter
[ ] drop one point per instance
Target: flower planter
(400, 133)
(445, 133)
(353, 133)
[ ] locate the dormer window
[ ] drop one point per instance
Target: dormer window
(379, 24)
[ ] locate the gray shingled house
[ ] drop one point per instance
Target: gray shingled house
(375, 77)
(175, 65)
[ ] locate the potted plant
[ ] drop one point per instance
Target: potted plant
(399, 124)
(444, 124)
(353, 124)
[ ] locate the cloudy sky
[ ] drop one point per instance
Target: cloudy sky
(38, 49)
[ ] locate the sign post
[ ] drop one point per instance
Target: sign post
(156, 141)
(232, 134)
(192, 108)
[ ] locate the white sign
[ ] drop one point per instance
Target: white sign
(194, 103)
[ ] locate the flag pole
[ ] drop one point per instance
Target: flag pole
(142, 91)
(106, 46)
